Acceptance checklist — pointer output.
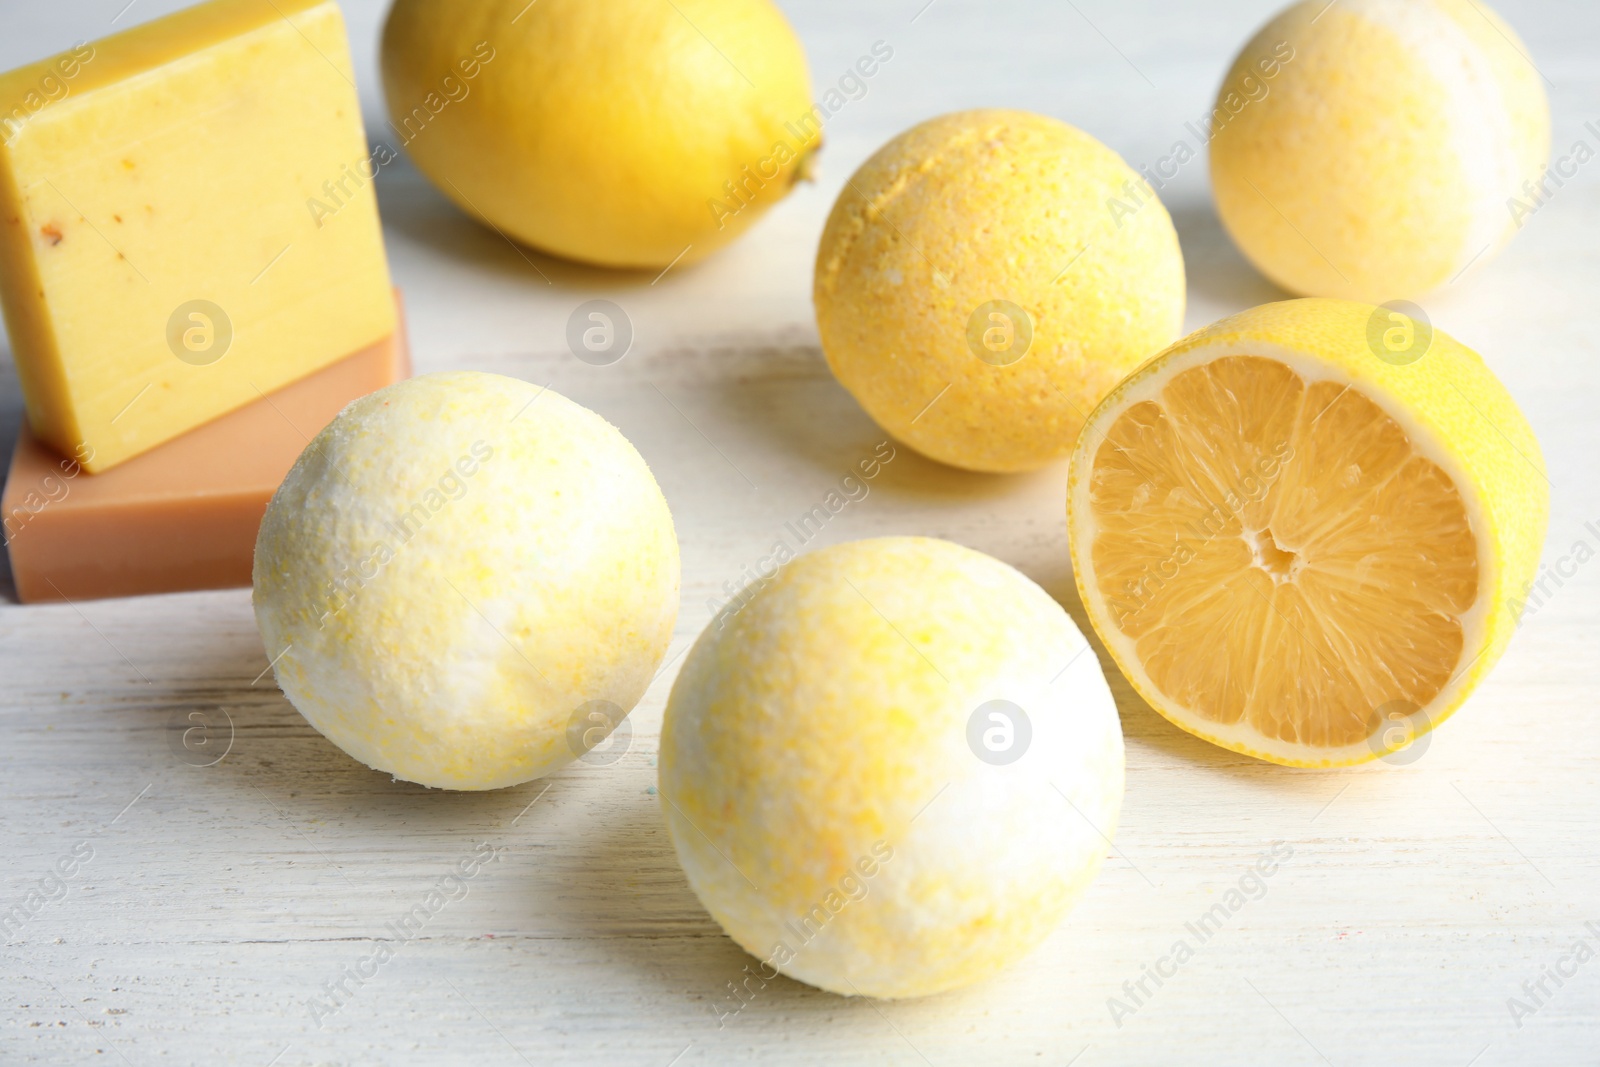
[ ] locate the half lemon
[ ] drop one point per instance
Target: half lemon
(1302, 531)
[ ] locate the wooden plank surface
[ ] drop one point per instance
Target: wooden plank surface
(209, 909)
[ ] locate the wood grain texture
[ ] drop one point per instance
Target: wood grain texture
(219, 900)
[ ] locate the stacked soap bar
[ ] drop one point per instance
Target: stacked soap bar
(183, 515)
(168, 256)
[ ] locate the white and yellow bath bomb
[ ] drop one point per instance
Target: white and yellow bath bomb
(466, 581)
(891, 772)
(1374, 149)
(988, 276)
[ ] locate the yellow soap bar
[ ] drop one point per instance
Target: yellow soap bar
(187, 222)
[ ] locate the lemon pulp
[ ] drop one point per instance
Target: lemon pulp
(1279, 553)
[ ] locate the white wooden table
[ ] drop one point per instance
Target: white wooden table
(208, 906)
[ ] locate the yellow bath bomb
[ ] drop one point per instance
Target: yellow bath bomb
(986, 278)
(893, 770)
(628, 133)
(1374, 150)
(466, 581)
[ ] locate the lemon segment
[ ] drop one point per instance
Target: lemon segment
(1282, 538)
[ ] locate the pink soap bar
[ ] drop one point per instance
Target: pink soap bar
(181, 516)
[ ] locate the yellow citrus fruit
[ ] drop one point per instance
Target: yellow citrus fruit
(1374, 150)
(890, 773)
(467, 581)
(986, 277)
(629, 133)
(1301, 531)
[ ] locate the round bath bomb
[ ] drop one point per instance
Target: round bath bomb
(1375, 149)
(628, 133)
(466, 581)
(891, 772)
(986, 278)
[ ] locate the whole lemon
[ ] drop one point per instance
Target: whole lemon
(1376, 150)
(629, 133)
(891, 772)
(467, 581)
(986, 277)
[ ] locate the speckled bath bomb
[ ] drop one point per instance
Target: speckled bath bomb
(889, 773)
(1375, 149)
(466, 581)
(986, 278)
